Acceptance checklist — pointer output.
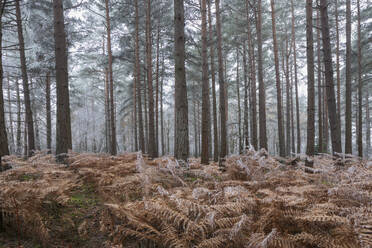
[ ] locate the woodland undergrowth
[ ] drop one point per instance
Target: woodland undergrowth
(130, 201)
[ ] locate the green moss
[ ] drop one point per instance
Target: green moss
(28, 177)
(84, 197)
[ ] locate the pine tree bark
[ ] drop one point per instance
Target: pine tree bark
(368, 126)
(282, 152)
(144, 90)
(246, 87)
(310, 78)
(348, 126)
(4, 150)
(331, 101)
(213, 76)
(161, 108)
(19, 124)
(157, 91)
(205, 87)
(151, 138)
(141, 134)
(107, 111)
(181, 141)
(261, 84)
(239, 108)
(195, 128)
(288, 99)
(11, 138)
(26, 91)
(63, 141)
(252, 69)
(360, 95)
(35, 114)
(325, 120)
(320, 89)
(338, 65)
(48, 108)
(292, 114)
(296, 80)
(135, 127)
(221, 79)
(113, 149)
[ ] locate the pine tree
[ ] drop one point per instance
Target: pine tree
(181, 136)
(221, 79)
(151, 138)
(310, 78)
(360, 95)
(261, 83)
(138, 84)
(213, 76)
(329, 85)
(111, 82)
(282, 152)
(63, 140)
(26, 91)
(205, 87)
(348, 133)
(4, 150)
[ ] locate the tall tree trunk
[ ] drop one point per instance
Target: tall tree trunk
(288, 98)
(107, 111)
(181, 140)
(48, 108)
(368, 126)
(19, 124)
(25, 147)
(310, 78)
(135, 127)
(205, 87)
(146, 113)
(138, 80)
(11, 140)
(360, 94)
(261, 83)
(36, 124)
(223, 150)
(161, 108)
(278, 86)
(113, 150)
(199, 127)
(296, 80)
(239, 109)
(26, 91)
(245, 122)
(292, 114)
(151, 138)
(63, 141)
(215, 120)
(348, 132)
(195, 129)
(320, 90)
(4, 150)
(331, 101)
(252, 69)
(338, 66)
(325, 121)
(157, 91)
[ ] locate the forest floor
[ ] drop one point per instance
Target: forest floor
(130, 201)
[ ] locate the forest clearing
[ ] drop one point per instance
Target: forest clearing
(130, 201)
